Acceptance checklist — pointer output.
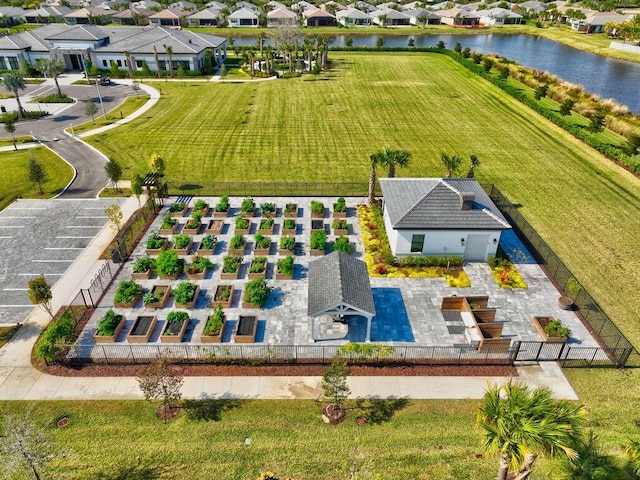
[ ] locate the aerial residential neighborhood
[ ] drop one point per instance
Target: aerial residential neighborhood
(315, 240)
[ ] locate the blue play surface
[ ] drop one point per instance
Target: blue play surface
(514, 249)
(391, 323)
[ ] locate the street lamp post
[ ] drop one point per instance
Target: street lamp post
(100, 97)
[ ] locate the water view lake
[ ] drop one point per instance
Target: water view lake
(606, 77)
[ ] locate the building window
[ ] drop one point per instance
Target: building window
(3, 65)
(13, 63)
(162, 64)
(139, 63)
(417, 243)
(119, 62)
(104, 63)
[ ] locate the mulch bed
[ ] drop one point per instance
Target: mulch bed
(284, 370)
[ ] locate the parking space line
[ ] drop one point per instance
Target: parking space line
(84, 226)
(16, 306)
(5, 237)
(74, 237)
(95, 216)
(64, 248)
(36, 274)
(16, 289)
(52, 261)
(2, 217)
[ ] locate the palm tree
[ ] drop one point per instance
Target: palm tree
(474, 163)
(10, 127)
(127, 58)
(519, 423)
(260, 42)
(632, 452)
(398, 158)
(155, 57)
(324, 44)
(52, 67)
(451, 163)
(378, 158)
(14, 82)
(590, 463)
(169, 51)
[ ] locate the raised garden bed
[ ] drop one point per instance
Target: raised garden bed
(155, 244)
(541, 323)
(243, 226)
(201, 207)
(221, 210)
(317, 225)
(143, 268)
(289, 227)
(258, 268)
(266, 226)
(186, 294)
(160, 293)
(248, 208)
(169, 225)
(214, 227)
(182, 244)
(109, 327)
(340, 208)
(262, 244)
(175, 327)
(231, 267)
(207, 245)
(268, 210)
(214, 328)
(340, 227)
(127, 294)
(142, 329)
(284, 268)
(291, 210)
(178, 209)
(317, 209)
(223, 296)
(246, 329)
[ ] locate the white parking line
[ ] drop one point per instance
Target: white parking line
(15, 306)
(5, 237)
(84, 226)
(96, 216)
(12, 226)
(74, 237)
(36, 274)
(16, 289)
(52, 261)
(2, 217)
(64, 248)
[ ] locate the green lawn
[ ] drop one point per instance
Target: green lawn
(300, 129)
(6, 333)
(8, 141)
(15, 175)
(130, 105)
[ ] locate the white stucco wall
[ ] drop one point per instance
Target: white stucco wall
(76, 45)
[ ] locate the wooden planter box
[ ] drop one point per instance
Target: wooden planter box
(294, 207)
(269, 214)
(141, 276)
(317, 253)
(156, 251)
(237, 251)
(193, 302)
(243, 231)
(317, 215)
(179, 332)
(204, 212)
(197, 276)
(214, 338)
(130, 304)
(292, 231)
(229, 276)
(317, 225)
(262, 252)
(340, 215)
(337, 232)
(168, 231)
(111, 339)
(184, 251)
(251, 276)
(142, 329)
(246, 330)
(170, 277)
(166, 293)
(191, 231)
(247, 214)
(223, 303)
(214, 227)
(206, 251)
(283, 276)
(539, 323)
(220, 214)
(181, 213)
(286, 253)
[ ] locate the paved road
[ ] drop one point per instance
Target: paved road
(88, 162)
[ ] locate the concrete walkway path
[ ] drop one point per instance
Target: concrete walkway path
(20, 381)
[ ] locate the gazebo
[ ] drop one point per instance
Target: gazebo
(339, 285)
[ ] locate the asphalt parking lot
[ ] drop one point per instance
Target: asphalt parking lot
(42, 237)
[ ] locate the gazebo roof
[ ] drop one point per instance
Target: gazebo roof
(338, 281)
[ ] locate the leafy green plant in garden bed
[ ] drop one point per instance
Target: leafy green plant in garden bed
(267, 209)
(285, 265)
(209, 242)
(555, 329)
(194, 222)
(340, 225)
(201, 206)
(318, 240)
(231, 263)
(242, 223)
(287, 243)
(57, 332)
(127, 291)
(168, 263)
(155, 241)
(317, 207)
(168, 222)
(289, 224)
(199, 263)
(177, 207)
(342, 244)
(248, 205)
(184, 292)
(237, 242)
(340, 206)
(223, 204)
(258, 265)
(177, 316)
(149, 298)
(256, 292)
(144, 264)
(266, 224)
(181, 241)
(107, 326)
(215, 322)
(262, 242)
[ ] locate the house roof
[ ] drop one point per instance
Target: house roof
(12, 12)
(243, 13)
(280, 13)
(331, 3)
(146, 4)
(210, 12)
(498, 13)
(453, 12)
(318, 13)
(171, 13)
(435, 204)
(89, 12)
(79, 32)
(533, 5)
(602, 18)
(390, 13)
(336, 280)
(214, 4)
(353, 13)
(360, 5)
(421, 12)
(131, 12)
(412, 5)
(302, 5)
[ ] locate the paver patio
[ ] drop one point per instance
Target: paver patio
(408, 309)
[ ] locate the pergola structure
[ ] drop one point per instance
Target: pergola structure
(338, 286)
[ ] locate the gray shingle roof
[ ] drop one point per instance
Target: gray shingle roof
(339, 279)
(80, 32)
(435, 204)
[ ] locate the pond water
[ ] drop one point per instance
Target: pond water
(606, 77)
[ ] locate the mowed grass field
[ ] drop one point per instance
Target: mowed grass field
(15, 175)
(324, 129)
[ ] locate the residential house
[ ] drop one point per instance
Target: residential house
(273, 5)
(209, 17)
(363, 6)
(441, 216)
(46, 14)
(170, 17)
(132, 16)
(192, 7)
(532, 6)
(332, 6)
(281, 16)
(148, 4)
(216, 5)
(565, 12)
(319, 18)
(420, 16)
(103, 45)
(88, 16)
(459, 17)
(248, 5)
(302, 6)
(391, 5)
(498, 16)
(412, 6)
(389, 17)
(11, 16)
(352, 17)
(244, 17)
(596, 21)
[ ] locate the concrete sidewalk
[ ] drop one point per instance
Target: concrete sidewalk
(20, 381)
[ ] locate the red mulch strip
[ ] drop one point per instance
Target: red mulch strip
(285, 370)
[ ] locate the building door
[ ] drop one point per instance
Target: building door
(476, 247)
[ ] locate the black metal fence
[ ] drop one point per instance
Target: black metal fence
(270, 189)
(611, 338)
(126, 239)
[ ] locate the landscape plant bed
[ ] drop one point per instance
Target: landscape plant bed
(248, 208)
(268, 210)
(214, 227)
(291, 210)
(243, 226)
(214, 327)
(340, 208)
(266, 226)
(258, 268)
(193, 225)
(207, 245)
(178, 209)
(223, 296)
(221, 210)
(201, 207)
(169, 225)
(158, 244)
(175, 327)
(246, 330)
(199, 267)
(186, 294)
(161, 293)
(289, 227)
(182, 244)
(340, 227)
(113, 318)
(317, 209)
(231, 265)
(284, 268)
(143, 268)
(142, 329)
(127, 294)
(262, 244)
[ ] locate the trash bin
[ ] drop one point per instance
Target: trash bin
(3, 109)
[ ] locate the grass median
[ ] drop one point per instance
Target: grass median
(130, 105)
